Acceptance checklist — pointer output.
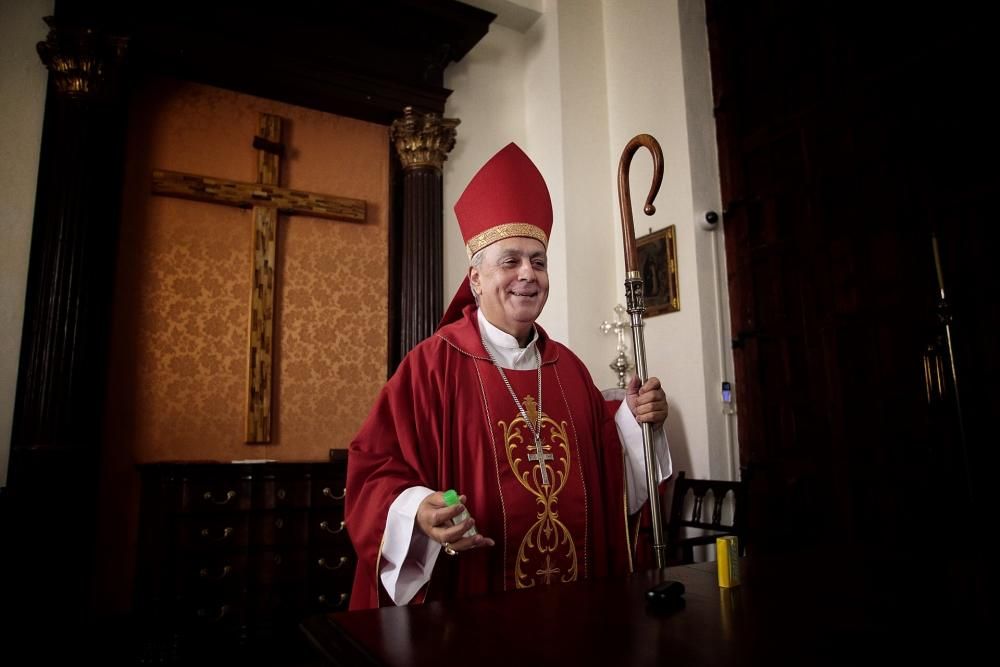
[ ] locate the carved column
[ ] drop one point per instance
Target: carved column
(422, 142)
(54, 473)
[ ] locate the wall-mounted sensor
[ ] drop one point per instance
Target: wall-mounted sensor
(710, 222)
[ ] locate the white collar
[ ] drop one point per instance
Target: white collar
(509, 354)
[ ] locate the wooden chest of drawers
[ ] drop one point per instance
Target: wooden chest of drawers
(233, 556)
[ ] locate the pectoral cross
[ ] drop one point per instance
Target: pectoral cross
(266, 200)
(541, 456)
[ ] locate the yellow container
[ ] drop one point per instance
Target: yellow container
(727, 553)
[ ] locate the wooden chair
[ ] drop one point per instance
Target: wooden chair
(688, 526)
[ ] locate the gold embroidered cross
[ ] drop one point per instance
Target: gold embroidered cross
(548, 570)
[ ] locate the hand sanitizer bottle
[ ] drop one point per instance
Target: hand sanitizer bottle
(451, 498)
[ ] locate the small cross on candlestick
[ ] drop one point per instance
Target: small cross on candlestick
(621, 364)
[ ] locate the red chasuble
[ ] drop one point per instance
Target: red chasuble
(446, 420)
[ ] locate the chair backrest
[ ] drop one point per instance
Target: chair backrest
(715, 508)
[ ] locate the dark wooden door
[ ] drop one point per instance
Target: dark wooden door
(848, 135)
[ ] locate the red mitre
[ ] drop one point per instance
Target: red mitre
(507, 197)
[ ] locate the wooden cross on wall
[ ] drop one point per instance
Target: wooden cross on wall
(266, 199)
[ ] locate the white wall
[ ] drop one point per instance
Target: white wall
(594, 73)
(22, 89)
(544, 144)
(589, 224)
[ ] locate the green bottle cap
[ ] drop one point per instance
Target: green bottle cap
(450, 497)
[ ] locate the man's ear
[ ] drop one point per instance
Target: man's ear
(474, 279)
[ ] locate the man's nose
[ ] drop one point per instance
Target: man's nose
(526, 271)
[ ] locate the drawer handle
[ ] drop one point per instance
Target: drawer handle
(223, 611)
(340, 563)
(229, 496)
(281, 494)
(223, 573)
(341, 599)
(329, 494)
(226, 532)
(279, 523)
(325, 525)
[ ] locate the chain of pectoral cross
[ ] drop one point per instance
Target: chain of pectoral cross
(539, 455)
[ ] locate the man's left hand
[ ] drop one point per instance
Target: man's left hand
(648, 403)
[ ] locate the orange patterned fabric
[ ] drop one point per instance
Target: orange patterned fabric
(185, 279)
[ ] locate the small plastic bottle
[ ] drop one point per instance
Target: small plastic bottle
(451, 498)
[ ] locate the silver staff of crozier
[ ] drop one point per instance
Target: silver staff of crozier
(636, 307)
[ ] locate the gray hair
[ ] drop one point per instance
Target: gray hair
(477, 259)
(475, 262)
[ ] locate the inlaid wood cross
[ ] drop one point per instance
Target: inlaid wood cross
(266, 199)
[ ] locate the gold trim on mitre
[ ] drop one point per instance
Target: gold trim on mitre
(494, 234)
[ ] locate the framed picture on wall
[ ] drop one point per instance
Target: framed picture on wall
(656, 254)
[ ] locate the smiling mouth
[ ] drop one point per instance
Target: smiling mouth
(524, 294)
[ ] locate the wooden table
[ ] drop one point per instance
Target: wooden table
(793, 609)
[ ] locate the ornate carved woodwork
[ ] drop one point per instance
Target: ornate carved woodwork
(422, 143)
(364, 59)
(54, 455)
(84, 63)
(72, 253)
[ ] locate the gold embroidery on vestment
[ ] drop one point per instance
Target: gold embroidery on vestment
(548, 539)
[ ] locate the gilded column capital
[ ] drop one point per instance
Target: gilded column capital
(423, 140)
(84, 62)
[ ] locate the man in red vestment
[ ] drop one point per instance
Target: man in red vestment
(491, 406)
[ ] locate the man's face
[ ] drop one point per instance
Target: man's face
(512, 283)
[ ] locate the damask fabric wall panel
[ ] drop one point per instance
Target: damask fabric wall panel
(179, 341)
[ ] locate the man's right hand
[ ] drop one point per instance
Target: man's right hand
(434, 518)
